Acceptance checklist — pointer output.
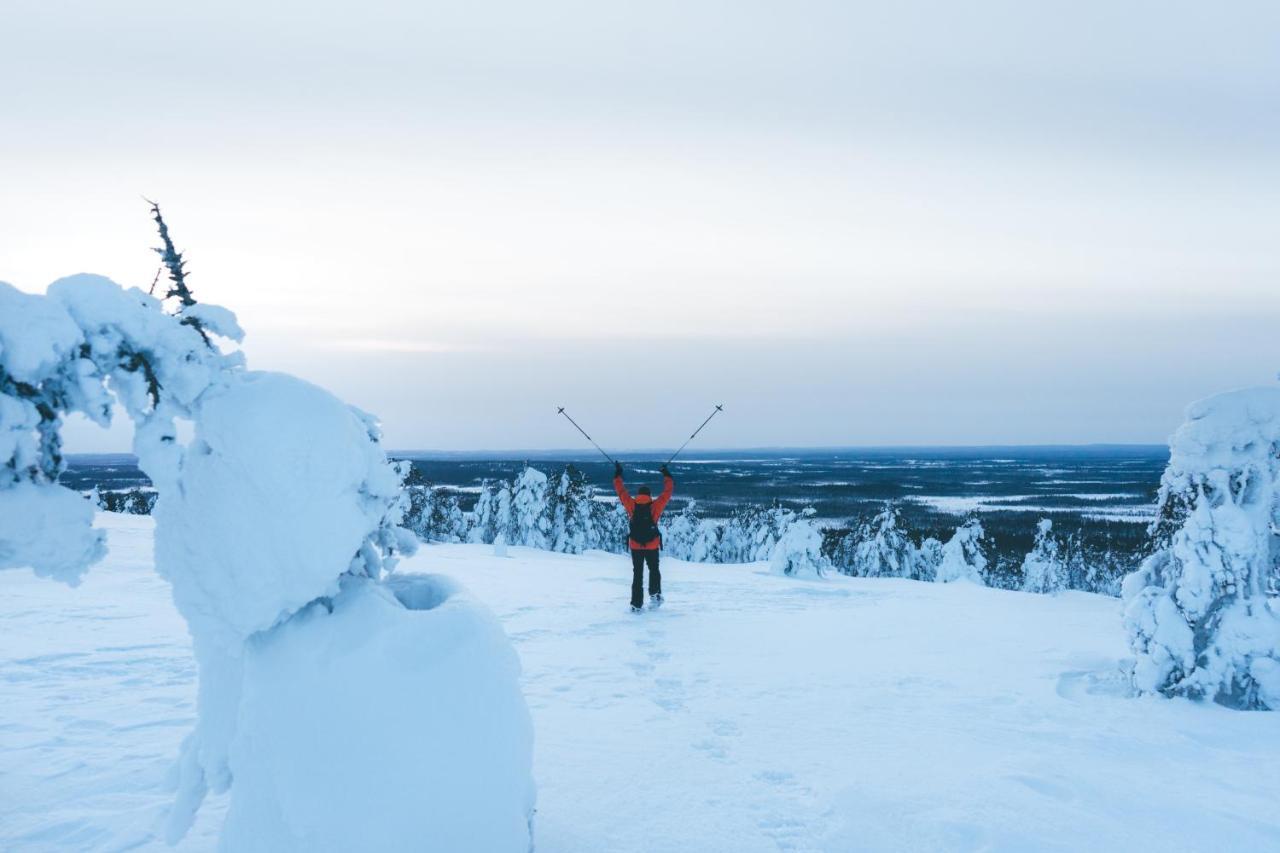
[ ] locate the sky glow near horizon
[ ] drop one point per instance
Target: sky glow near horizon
(852, 224)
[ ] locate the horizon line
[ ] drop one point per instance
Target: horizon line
(401, 452)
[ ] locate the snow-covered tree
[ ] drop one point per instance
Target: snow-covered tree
(504, 519)
(483, 526)
(85, 346)
(433, 514)
(680, 531)
(881, 548)
(963, 558)
(572, 513)
(611, 525)
(928, 558)
(276, 524)
(751, 533)
(1043, 569)
(531, 526)
(706, 545)
(135, 501)
(448, 521)
(798, 552)
(1202, 612)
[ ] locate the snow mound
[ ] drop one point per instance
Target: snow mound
(414, 657)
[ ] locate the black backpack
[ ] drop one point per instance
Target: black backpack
(643, 528)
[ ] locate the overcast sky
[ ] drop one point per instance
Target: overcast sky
(850, 222)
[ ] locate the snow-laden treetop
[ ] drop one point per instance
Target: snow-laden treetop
(1227, 429)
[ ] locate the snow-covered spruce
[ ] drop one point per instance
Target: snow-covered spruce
(433, 515)
(963, 557)
(529, 521)
(928, 558)
(275, 526)
(1202, 612)
(1043, 569)
(572, 513)
(799, 552)
(880, 549)
(681, 531)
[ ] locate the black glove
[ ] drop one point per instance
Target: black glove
(665, 472)
(617, 469)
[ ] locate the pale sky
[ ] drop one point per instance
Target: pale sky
(850, 222)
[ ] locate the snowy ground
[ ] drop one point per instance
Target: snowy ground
(751, 713)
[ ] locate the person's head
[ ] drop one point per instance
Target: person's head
(644, 490)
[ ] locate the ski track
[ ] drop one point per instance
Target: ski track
(750, 713)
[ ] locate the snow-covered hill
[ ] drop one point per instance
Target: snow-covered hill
(752, 713)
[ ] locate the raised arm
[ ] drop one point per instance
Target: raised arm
(668, 486)
(628, 502)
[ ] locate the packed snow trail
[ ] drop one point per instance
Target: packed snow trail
(751, 713)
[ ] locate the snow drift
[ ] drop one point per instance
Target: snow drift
(409, 687)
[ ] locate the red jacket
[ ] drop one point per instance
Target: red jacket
(629, 504)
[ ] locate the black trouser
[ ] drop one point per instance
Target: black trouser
(638, 559)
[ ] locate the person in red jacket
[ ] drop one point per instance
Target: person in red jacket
(644, 540)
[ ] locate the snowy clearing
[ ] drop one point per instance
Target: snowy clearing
(752, 713)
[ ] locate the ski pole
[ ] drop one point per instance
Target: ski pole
(718, 410)
(561, 410)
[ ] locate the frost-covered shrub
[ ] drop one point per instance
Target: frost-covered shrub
(799, 552)
(1202, 611)
(963, 558)
(1043, 569)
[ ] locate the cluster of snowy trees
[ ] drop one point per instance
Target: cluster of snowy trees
(554, 514)
(564, 513)
(881, 547)
(135, 501)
